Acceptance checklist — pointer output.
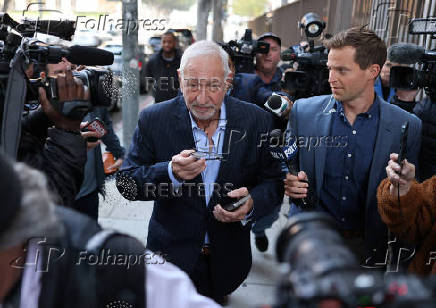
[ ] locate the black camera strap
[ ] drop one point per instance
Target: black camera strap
(15, 97)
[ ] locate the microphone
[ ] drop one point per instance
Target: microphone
(89, 55)
(75, 54)
(287, 155)
(407, 53)
(276, 104)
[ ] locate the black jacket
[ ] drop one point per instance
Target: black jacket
(59, 154)
(426, 111)
(162, 74)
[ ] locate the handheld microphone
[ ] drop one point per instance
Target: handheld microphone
(287, 155)
(276, 104)
(407, 53)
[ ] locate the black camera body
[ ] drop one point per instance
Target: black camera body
(322, 272)
(409, 78)
(311, 76)
(244, 51)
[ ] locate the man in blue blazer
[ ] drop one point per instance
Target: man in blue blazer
(345, 140)
(187, 154)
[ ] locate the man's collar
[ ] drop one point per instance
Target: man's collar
(338, 107)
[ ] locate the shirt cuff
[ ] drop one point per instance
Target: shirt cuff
(176, 183)
(248, 217)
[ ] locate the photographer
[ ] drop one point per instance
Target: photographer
(43, 249)
(52, 143)
(409, 210)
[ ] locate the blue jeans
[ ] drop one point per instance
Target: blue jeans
(266, 222)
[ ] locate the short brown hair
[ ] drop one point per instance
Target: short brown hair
(370, 49)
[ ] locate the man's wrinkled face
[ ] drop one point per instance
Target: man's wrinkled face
(203, 86)
(268, 62)
(168, 43)
(347, 80)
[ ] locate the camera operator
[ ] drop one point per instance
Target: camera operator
(409, 210)
(257, 88)
(405, 99)
(43, 249)
(52, 143)
(354, 131)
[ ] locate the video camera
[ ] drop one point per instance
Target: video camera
(311, 77)
(18, 52)
(244, 51)
(320, 271)
(409, 78)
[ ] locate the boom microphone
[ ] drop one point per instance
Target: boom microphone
(89, 55)
(406, 53)
(75, 54)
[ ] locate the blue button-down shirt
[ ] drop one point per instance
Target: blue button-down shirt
(202, 144)
(347, 168)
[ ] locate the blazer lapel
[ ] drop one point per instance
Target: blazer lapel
(323, 129)
(381, 150)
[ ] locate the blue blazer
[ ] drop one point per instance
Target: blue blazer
(179, 223)
(311, 117)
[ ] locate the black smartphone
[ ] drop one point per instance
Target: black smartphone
(97, 126)
(403, 143)
(232, 204)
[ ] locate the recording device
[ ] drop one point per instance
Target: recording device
(409, 78)
(232, 204)
(244, 51)
(403, 143)
(287, 154)
(97, 126)
(320, 271)
(311, 77)
(17, 52)
(276, 104)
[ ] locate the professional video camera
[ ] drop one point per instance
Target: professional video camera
(319, 271)
(311, 77)
(409, 78)
(18, 52)
(245, 50)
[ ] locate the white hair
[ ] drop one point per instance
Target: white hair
(36, 217)
(202, 48)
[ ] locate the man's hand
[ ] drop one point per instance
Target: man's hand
(89, 145)
(238, 215)
(403, 181)
(187, 167)
(116, 165)
(69, 89)
(406, 95)
(294, 185)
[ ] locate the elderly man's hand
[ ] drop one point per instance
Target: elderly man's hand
(187, 167)
(238, 215)
(399, 181)
(70, 89)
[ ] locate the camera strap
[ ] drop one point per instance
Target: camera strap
(15, 97)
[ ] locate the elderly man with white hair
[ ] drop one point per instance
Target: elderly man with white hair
(190, 154)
